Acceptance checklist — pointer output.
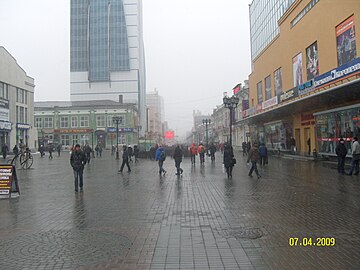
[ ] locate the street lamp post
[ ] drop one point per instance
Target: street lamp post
(231, 103)
(116, 120)
(206, 122)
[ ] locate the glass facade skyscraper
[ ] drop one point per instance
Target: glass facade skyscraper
(107, 60)
(98, 38)
(264, 16)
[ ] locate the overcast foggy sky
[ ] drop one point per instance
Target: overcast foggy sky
(194, 50)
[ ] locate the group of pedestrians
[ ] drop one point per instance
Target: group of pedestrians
(341, 152)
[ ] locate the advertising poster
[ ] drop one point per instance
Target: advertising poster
(312, 61)
(268, 88)
(278, 82)
(345, 41)
(297, 69)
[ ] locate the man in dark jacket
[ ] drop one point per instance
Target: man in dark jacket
(4, 150)
(87, 151)
(178, 154)
(78, 161)
(125, 158)
(341, 152)
(254, 157)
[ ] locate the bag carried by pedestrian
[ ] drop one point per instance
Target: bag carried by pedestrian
(233, 161)
(163, 155)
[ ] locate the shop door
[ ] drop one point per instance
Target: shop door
(297, 140)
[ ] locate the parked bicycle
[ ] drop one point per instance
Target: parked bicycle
(25, 158)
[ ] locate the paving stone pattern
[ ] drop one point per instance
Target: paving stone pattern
(201, 220)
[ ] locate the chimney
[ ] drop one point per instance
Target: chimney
(121, 99)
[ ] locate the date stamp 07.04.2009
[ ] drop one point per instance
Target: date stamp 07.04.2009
(312, 241)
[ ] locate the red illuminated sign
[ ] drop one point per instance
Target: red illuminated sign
(169, 135)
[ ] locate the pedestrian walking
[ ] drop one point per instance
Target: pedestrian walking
(248, 147)
(228, 159)
(22, 146)
(244, 147)
(16, 150)
(263, 154)
(58, 148)
(341, 152)
(254, 157)
(51, 149)
(193, 153)
(293, 145)
(4, 150)
(136, 153)
(178, 155)
(355, 150)
(78, 161)
(201, 150)
(113, 150)
(97, 150)
(212, 150)
(87, 151)
(131, 152)
(125, 159)
(160, 156)
(42, 150)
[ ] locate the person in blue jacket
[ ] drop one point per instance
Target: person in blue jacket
(160, 156)
(263, 154)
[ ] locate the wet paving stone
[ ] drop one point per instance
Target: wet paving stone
(201, 220)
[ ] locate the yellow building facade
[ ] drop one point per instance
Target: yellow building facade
(305, 84)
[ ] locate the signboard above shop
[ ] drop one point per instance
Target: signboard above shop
(121, 130)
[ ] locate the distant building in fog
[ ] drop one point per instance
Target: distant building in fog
(156, 115)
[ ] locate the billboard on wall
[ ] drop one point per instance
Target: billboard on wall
(312, 61)
(4, 110)
(345, 41)
(268, 94)
(278, 82)
(297, 69)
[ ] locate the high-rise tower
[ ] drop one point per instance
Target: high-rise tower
(107, 52)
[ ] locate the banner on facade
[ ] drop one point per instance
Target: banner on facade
(350, 68)
(292, 93)
(121, 130)
(270, 102)
(306, 87)
(5, 125)
(345, 40)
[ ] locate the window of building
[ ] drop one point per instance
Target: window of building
(4, 92)
(26, 115)
(84, 121)
(64, 122)
(100, 120)
(21, 118)
(65, 139)
(75, 139)
(38, 122)
(268, 93)
(20, 95)
(48, 122)
(259, 92)
(74, 122)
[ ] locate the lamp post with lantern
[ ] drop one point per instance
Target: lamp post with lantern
(231, 103)
(116, 120)
(206, 122)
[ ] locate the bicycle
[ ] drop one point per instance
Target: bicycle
(25, 158)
